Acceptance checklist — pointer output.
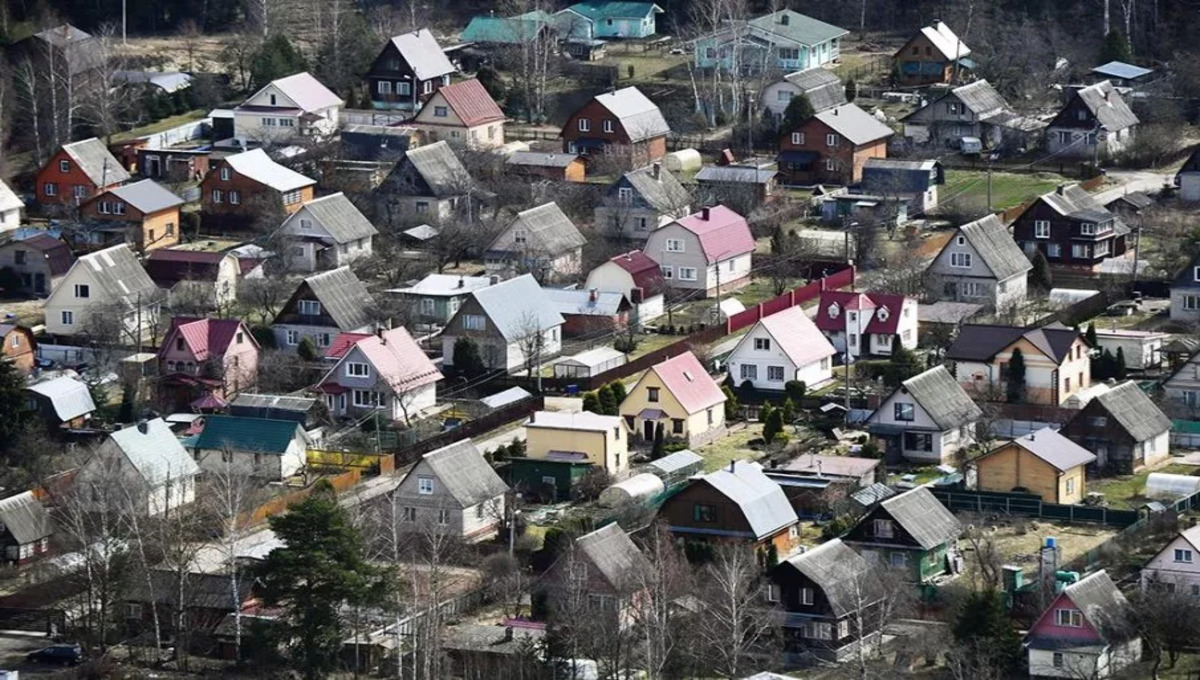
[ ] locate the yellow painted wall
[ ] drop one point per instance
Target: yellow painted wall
(602, 448)
(694, 423)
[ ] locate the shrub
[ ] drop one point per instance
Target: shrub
(618, 390)
(773, 425)
(591, 403)
(795, 389)
(307, 350)
(608, 403)
(731, 403)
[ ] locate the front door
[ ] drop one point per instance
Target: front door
(648, 430)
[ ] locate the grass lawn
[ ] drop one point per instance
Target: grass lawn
(732, 447)
(652, 342)
(1126, 493)
(160, 126)
(647, 66)
(1017, 541)
(759, 290)
(1008, 189)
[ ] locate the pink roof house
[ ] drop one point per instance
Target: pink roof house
(709, 250)
(679, 395)
(206, 362)
(782, 347)
(342, 344)
(1084, 633)
(384, 372)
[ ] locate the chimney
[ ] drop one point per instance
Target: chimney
(508, 633)
(461, 282)
(784, 18)
(493, 279)
(704, 213)
(379, 334)
(1060, 189)
(143, 426)
(835, 110)
(533, 417)
(592, 296)
(655, 169)
(732, 464)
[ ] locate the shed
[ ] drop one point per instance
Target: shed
(677, 466)
(636, 489)
(1168, 486)
(509, 396)
(589, 363)
(684, 160)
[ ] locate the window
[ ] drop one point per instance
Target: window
(293, 337)
(291, 197)
(1071, 618)
(676, 426)
(772, 592)
(1088, 229)
(355, 369)
(1053, 250)
(427, 86)
(668, 272)
(762, 343)
(16, 340)
(64, 166)
(1081, 114)
(323, 340)
(918, 441)
(440, 112)
(425, 486)
(79, 191)
(831, 140)
(133, 610)
(225, 174)
(82, 290)
(961, 240)
(1191, 302)
(775, 373)
(706, 514)
(218, 196)
(882, 528)
(687, 273)
(652, 394)
(68, 318)
(443, 516)
(474, 322)
(898, 559)
(1064, 137)
(1070, 485)
(806, 597)
(789, 53)
(854, 339)
(50, 189)
(235, 197)
(310, 307)
(403, 88)
(1080, 251)
(585, 125)
(410, 515)
(1183, 555)
(798, 138)
(831, 164)
(953, 108)
(268, 122)
(674, 245)
(383, 87)
(1067, 384)
(962, 260)
(609, 126)
(641, 224)
(904, 412)
(239, 338)
(422, 207)
(170, 228)
(365, 398)
(625, 194)
(709, 413)
(749, 372)
(1041, 229)
(1056, 659)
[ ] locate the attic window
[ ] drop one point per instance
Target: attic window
(882, 313)
(961, 240)
(834, 310)
(310, 307)
(687, 376)
(1196, 273)
(272, 100)
(1071, 618)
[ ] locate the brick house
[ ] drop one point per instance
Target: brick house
(624, 119)
(77, 172)
(144, 214)
(832, 146)
(244, 185)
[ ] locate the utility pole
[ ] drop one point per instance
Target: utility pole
(989, 181)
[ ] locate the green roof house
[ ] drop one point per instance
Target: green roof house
(597, 19)
(515, 30)
(258, 447)
(785, 39)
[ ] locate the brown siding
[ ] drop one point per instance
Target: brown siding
(253, 194)
(23, 353)
(153, 227)
(595, 113)
(925, 53)
(849, 158)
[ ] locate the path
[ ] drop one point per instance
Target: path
(1131, 181)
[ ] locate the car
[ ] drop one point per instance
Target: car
(65, 654)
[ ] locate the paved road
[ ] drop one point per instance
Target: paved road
(1131, 181)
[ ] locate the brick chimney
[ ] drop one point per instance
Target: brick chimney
(655, 169)
(704, 213)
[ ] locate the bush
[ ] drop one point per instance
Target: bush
(773, 425)
(618, 390)
(608, 403)
(782, 439)
(591, 403)
(307, 350)
(795, 389)
(731, 403)
(838, 526)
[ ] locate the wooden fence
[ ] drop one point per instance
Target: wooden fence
(1031, 505)
(279, 504)
(517, 410)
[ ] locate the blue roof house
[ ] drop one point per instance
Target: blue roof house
(602, 19)
(789, 40)
(515, 30)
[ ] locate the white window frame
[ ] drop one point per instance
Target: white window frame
(807, 597)
(585, 125)
(292, 337)
(357, 369)
(831, 139)
(960, 260)
(609, 126)
(1068, 618)
(68, 318)
(1087, 229)
(310, 308)
(1183, 556)
(1041, 228)
(474, 322)
(674, 245)
(687, 273)
(776, 374)
(425, 485)
(798, 138)
(225, 174)
(762, 344)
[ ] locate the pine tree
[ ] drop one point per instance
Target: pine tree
(1116, 48)
(764, 411)
(608, 403)
(798, 111)
(773, 425)
(983, 623)
(1120, 371)
(1015, 384)
(12, 404)
(902, 365)
(851, 90)
(1040, 276)
(591, 403)
(276, 58)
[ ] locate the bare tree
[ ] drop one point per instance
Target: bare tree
(532, 342)
(665, 578)
(230, 495)
(736, 622)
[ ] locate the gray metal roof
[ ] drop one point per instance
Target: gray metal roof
(1073, 201)
(258, 166)
(664, 194)
(546, 229)
(841, 573)
(1119, 69)
(274, 401)
(675, 462)
(308, 92)
(9, 199)
(542, 160)
(423, 54)
(812, 78)
(512, 394)
(421, 232)
(1136, 199)
(156, 454)
(995, 246)
(610, 549)
(1102, 605)
(735, 174)
(821, 86)
(591, 358)
(761, 500)
(872, 494)
(25, 518)
(923, 517)
(96, 162)
(945, 40)
(441, 169)
(465, 473)
(580, 301)
(343, 296)
(491, 640)
(980, 97)
(340, 217)
(1103, 100)
(640, 117)
(445, 285)
(147, 196)
(517, 305)
(1054, 448)
(1135, 411)
(119, 273)
(69, 397)
(854, 124)
(942, 398)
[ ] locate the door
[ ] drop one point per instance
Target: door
(648, 430)
(39, 283)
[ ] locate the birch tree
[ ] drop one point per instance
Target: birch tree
(230, 495)
(665, 578)
(736, 621)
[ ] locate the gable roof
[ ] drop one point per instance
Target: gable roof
(155, 453)
(118, 272)
(514, 304)
(1053, 448)
(739, 174)
(25, 518)
(343, 296)
(57, 254)
(640, 117)
(664, 193)
(1135, 411)
(799, 29)
(514, 30)
(856, 125)
(343, 343)
(94, 159)
(340, 217)
(760, 499)
(440, 169)
(1071, 200)
(585, 302)
(832, 306)
(995, 246)
(795, 335)
(398, 359)
(821, 86)
(539, 159)
(423, 54)
(1100, 602)
(945, 41)
(981, 342)
(206, 338)
(465, 473)
(548, 230)
(1107, 105)
(309, 93)
(260, 435)
(980, 97)
(471, 102)
(69, 397)
(841, 573)
(644, 271)
(687, 380)
(610, 549)
(595, 10)
(445, 285)
(722, 232)
(582, 421)
(9, 199)
(942, 398)
(258, 166)
(167, 266)
(147, 196)
(923, 517)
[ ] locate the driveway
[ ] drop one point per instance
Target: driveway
(1131, 181)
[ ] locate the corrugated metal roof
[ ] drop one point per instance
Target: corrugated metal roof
(854, 124)
(1107, 105)
(147, 196)
(440, 169)
(640, 117)
(584, 302)
(1135, 411)
(672, 463)
(338, 215)
(308, 92)
(205, 338)
(685, 378)
(25, 518)
(423, 54)
(942, 398)
(156, 454)
(1055, 449)
(462, 469)
(472, 103)
(1119, 69)
(119, 273)
(69, 397)
(761, 500)
(545, 229)
(516, 30)
(445, 285)
(258, 166)
(96, 162)
(397, 359)
(790, 26)
(614, 555)
(517, 306)
(343, 296)
(923, 517)
(945, 41)
(980, 97)
(844, 576)
(257, 435)
(645, 272)
(597, 356)
(990, 239)
(512, 394)
(739, 174)
(274, 401)
(596, 10)
(722, 232)
(541, 160)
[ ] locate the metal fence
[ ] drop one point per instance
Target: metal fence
(1031, 505)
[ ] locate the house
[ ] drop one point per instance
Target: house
(1084, 632)
(11, 207)
(735, 503)
(18, 347)
(288, 108)
(326, 233)
(559, 167)
(409, 69)
(606, 569)
(635, 276)
(462, 113)
(1188, 178)
(821, 86)
(144, 214)
(164, 599)
(1176, 567)
(974, 110)
(679, 396)
(1124, 428)
(589, 311)
(493, 32)
(512, 323)
(480, 650)
(436, 298)
(1182, 387)
(641, 201)
(860, 324)
(832, 147)
(1070, 227)
(934, 55)
(717, 182)
(173, 165)
(107, 283)
(62, 402)
(709, 251)
(981, 264)
(272, 450)
(385, 372)
(457, 488)
(600, 19)
(1143, 350)
(1185, 293)
(201, 275)
(427, 184)
(25, 529)
(541, 240)
(623, 121)
(780, 348)
(1129, 206)
(915, 181)
(199, 359)
(927, 419)
(41, 262)
(322, 306)
(143, 465)
(1095, 123)
(911, 531)
(589, 363)
(561, 448)
(77, 172)
(1056, 358)
(1042, 462)
(826, 594)
(784, 40)
(243, 186)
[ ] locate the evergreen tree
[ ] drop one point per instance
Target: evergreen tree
(902, 365)
(1015, 384)
(851, 90)
(12, 404)
(493, 83)
(591, 403)
(797, 112)
(618, 391)
(276, 58)
(307, 350)
(125, 411)
(796, 389)
(983, 623)
(1090, 335)
(608, 403)
(773, 425)
(764, 411)
(1120, 371)
(788, 411)
(1040, 277)
(1116, 48)
(731, 403)
(779, 242)
(466, 358)
(660, 443)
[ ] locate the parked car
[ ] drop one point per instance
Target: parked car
(970, 146)
(66, 655)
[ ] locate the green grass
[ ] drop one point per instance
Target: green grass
(733, 447)
(1126, 492)
(1008, 189)
(161, 125)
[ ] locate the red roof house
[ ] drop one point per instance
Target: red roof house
(636, 276)
(206, 362)
(680, 396)
(386, 372)
(867, 323)
(782, 347)
(212, 274)
(709, 250)
(463, 113)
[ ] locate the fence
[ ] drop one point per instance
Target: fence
(376, 463)
(279, 504)
(181, 133)
(1031, 505)
(375, 649)
(1077, 312)
(501, 416)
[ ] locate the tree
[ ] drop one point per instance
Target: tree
(618, 391)
(795, 389)
(608, 402)
(307, 350)
(735, 624)
(12, 404)
(983, 623)
(664, 578)
(773, 425)
(798, 111)
(659, 450)
(851, 90)
(466, 358)
(1015, 383)
(788, 411)
(1116, 48)
(902, 365)
(1119, 368)
(731, 403)
(276, 58)
(1040, 275)
(591, 403)
(1166, 622)
(319, 569)
(764, 412)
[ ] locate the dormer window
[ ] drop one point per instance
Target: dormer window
(834, 310)
(883, 314)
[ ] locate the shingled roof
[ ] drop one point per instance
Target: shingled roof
(942, 398)
(991, 241)
(981, 342)
(923, 517)
(1135, 411)
(1071, 200)
(465, 473)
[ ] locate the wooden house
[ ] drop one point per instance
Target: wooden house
(143, 214)
(624, 121)
(1042, 462)
(912, 532)
(1124, 428)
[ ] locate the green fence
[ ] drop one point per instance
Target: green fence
(1031, 505)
